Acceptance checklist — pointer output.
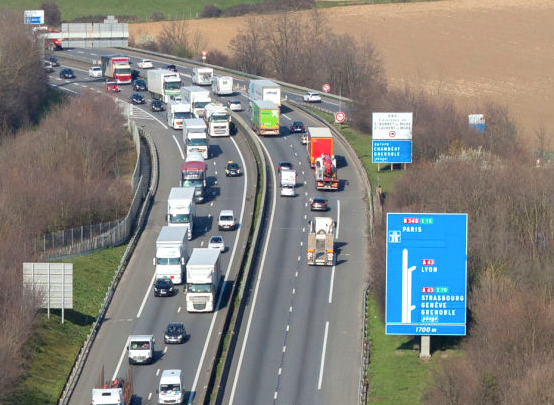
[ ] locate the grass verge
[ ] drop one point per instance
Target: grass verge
(53, 347)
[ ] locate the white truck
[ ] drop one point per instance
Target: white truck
(321, 242)
(171, 253)
(180, 209)
(202, 76)
(288, 182)
(222, 85)
(194, 137)
(177, 112)
(163, 84)
(170, 390)
(140, 349)
(197, 98)
(203, 278)
(265, 90)
(217, 119)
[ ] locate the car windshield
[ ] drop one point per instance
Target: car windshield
(172, 85)
(197, 142)
(123, 71)
(319, 200)
(179, 219)
(200, 104)
(140, 345)
(226, 218)
(184, 115)
(166, 388)
(163, 283)
(234, 102)
(192, 183)
(233, 166)
(216, 239)
(297, 124)
(96, 69)
(219, 118)
(199, 288)
(140, 82)
(174, 329)
(168, 260)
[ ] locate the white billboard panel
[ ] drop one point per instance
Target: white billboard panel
(33, 17)
(53, 281)
(392, 126)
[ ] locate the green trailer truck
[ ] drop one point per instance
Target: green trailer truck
(265, 117)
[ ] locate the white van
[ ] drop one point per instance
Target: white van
(171, 387)
(140, 349)
(194, 136)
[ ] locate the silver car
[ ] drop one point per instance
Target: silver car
(235, 105)
(216, 242)
(95, 71)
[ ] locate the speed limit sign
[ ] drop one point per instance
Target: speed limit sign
(340, 117)
(326, 88)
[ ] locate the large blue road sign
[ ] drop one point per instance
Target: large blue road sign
(389, 151)
(426, 274)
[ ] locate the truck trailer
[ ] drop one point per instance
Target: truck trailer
(203, 279)
(202, 76)
(117, 68)
(171, 253)
(194, 137)
(222, 85)
(266, 90)
(180, 209)
(193, 175)
(264, 117)
(197, 98)
(320, 142)
(217, 119)
(321, 242)
(163, 84)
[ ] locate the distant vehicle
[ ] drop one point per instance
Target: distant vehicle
(135, 74)
(95, 71)
(297, 127)
(202, 76)
(288, 182)
(112, 87)
(47, 65)
(265, 90)
(311, 97)
(117, 68)
(304, 138)
(163, 287)
(140, 349)
(54, 61)
(67, 74)
(320, 249)
(175, 333)
(222, 85)
(157, 106)
(232, 169)
(284, 164)
(216, 242)
(318, 204)
(137, 98)
(170, 390)
(226, 220)
(145, 64)
(163, 84)
(234, 105)
(264, 116)
(170, 67)
(139, 85)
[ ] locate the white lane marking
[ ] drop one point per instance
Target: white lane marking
(301, 243)
(165, 350)
(120, 359)
(149, 396)
(303, 229)
(338, 219)
(290, 309)
(157, 372)
(280, 371)
(296, 274)
(80, 52)
(275, 395)
(283, 115)
(146, 295)
(179, 310)
(216, 172)
(323, 355)
(305, 216)
(201, 243)
(293, 292)
(298, 257)
(284, 349)
(208, 338)
(331, 285)
(257, 288)
(179, 146)
(93, 54)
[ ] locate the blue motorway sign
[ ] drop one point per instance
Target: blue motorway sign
(426, 274)
(33, 20)
(391, 151)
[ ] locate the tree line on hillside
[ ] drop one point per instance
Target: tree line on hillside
(60, 169)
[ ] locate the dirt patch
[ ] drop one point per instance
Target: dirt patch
(472, 50)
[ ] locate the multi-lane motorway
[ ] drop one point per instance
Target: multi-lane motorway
(300, 336)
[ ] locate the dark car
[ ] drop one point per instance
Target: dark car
(54, 61)
(171, 67)
(284, 164)
(137, 98)
(319, 204)
(297, 127)
(139, 85)
(157, 106)
(67, 74)
(232, 169)
(175, 333)
(163, 287)
(135, 74)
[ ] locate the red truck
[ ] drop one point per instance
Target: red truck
(117, 68)
(320, 142)
(325, 172)
(193, 174)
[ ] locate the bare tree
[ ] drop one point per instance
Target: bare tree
(52, 14)
(248, 48)
(174, 39)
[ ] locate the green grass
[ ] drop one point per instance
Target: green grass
(52, 350)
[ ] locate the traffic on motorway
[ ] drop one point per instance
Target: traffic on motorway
(188, 111)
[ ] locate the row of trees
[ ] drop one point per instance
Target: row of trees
(60, 168)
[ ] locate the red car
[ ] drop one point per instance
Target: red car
(112, 87)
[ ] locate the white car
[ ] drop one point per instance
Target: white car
(235, 105)
(95, 71)
(226, 220)
(216, 242)
(145, 64)
(311, 97)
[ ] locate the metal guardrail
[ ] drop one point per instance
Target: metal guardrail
(85, 349)
(235, 72)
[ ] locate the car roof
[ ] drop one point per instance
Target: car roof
(226, 212)
(175, 324)
(298, 123)
(319, 198)
(285, 162)
(216, 237)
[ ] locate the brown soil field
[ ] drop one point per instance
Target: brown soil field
(474, 51)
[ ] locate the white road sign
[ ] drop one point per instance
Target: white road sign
(392, 126)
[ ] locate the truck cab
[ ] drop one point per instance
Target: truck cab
(177, 112)
(140, 349)
(194, 136)
(170, 390)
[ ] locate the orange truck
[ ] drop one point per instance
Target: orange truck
(320, 142)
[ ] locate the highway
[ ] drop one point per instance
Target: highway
(300, 336)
